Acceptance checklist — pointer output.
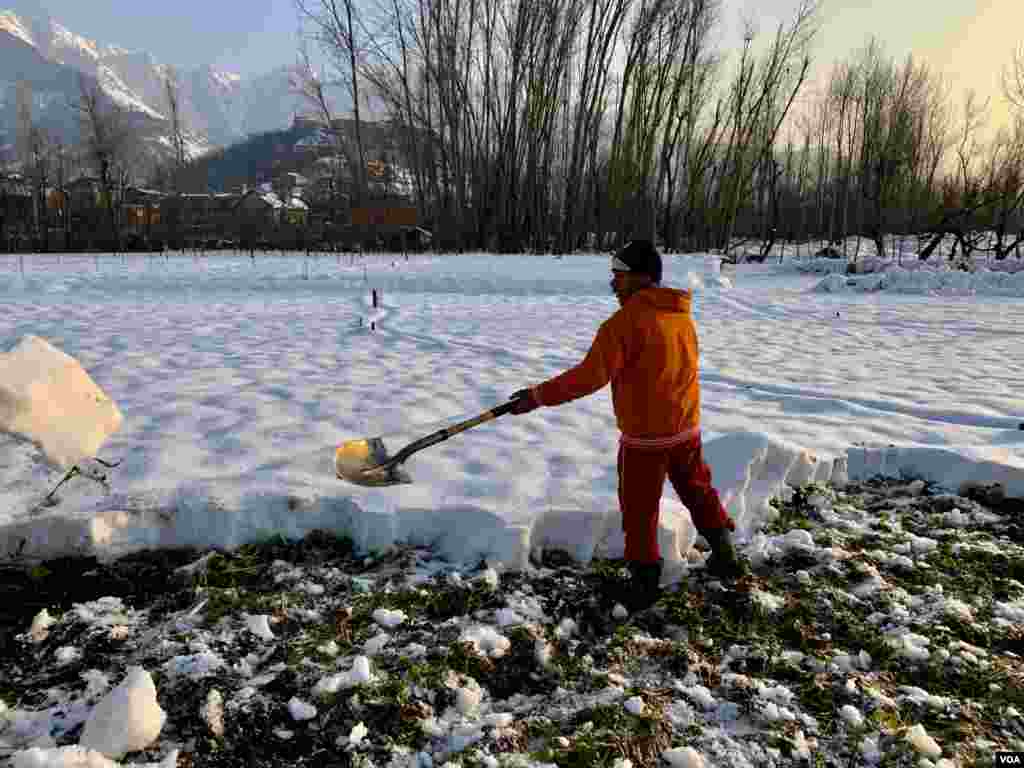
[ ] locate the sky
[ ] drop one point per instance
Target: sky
(970, 40)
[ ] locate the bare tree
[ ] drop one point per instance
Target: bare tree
(760, 98)
(337, 27)
(106, 138)
(1004, 184)
(172, 94)
(309, 83)
(34, 152)
(1013, 79)
(964, 192)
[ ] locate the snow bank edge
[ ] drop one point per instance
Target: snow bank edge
(748, 470)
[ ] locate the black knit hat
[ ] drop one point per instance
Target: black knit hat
(640, 256)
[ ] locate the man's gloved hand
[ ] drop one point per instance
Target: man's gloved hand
(523, 402)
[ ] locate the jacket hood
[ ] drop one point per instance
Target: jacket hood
(663, 299)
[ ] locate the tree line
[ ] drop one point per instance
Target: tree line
(562, 123)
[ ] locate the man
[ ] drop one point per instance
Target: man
(648, 351)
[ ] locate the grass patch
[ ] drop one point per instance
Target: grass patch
(601, 734)
(438, 602)
(798, 512)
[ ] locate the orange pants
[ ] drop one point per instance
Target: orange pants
(642, 475)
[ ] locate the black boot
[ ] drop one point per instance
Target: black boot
(644, 589)
(723, 562)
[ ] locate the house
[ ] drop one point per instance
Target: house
(223, 212)
(187, 219)
(296, 212)
(140, 211)
(84, 193)
(257, 214)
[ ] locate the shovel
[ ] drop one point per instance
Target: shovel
(367, 461)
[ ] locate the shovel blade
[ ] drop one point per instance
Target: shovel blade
(363, 461)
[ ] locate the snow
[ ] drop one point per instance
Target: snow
(41, 626)
(230, 423)
(65, 38)
(388, 619)
(127, 719)
(260, 626)
(358, 733)
(301, 710)
(360, 674)
(47, 398)
(226, 80)
(467, 699)
(634, 705)
(851, 716)
(79, 757)
(683, 757)
(13, 25)
(122, 94)
(487, 641)
(922, 742)
(213, 712)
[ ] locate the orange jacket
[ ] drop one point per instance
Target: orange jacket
(648, 351)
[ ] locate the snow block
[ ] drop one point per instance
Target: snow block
(574, 531)
(48, 398)
(127, 719)
(749, 468)
(63, 757)
(676, 534)
(462, 532)
(947, 467)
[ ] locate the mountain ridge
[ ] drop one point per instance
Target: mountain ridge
(219, 107)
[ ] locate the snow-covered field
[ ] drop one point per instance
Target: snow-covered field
(881, 625)
(237, 378)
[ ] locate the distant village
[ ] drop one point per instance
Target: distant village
(292, 210)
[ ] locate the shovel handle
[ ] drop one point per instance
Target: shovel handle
(443, 434)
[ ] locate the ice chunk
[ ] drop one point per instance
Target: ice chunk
(542, 652)
(78, 757)
(798, 539)
(683, 757)
(388, 619)
(487, 641)
(490, 578)
(213, 712)
(41, 626)
(852, 716)
(361, 670)
(358, 733)
(922, 742)
(259, 626)
(634, 705)
(467, 699)
(300, 710)
(506, 617)
(565, 628)
(127, 719)
(48, 398)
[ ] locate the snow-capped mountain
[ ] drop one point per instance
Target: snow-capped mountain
(218, 107)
